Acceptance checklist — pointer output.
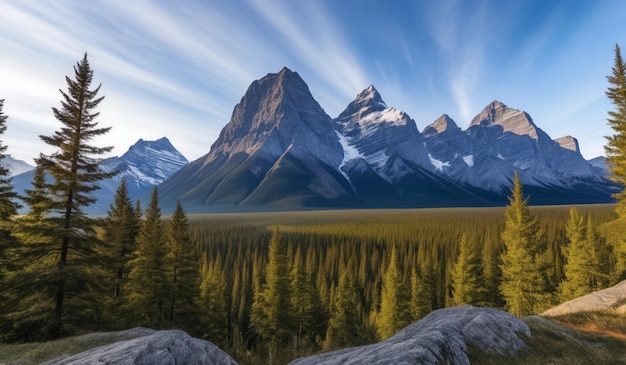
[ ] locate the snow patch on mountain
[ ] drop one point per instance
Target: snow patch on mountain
(349, 152)
(389, 115)
(439, 165)
(469, 160)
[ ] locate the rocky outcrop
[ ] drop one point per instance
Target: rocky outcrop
(442, 337)
(148, 347)
(610, 299)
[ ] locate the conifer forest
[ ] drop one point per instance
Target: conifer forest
(270, 287)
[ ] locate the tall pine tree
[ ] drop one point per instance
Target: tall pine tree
(394, 312)
(522, 283)
(8, 209)
(184, 273)
(345, 326)
(581, 266)
(616, 157)
(616, 144)
(467, 275)
(270, 309)
(121, 228)
(148, 286)
(75, 279)
(29, 303)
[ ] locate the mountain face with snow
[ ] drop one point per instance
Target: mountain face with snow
(146, 164)
(281, 149)
(15, 166)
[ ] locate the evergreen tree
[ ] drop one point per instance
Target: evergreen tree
(616, 144)
(213, 303)
(183, 271)
(75, 280)
(616, 158)
(521, 286)
(30, 301)
(345, 326)
(467, 276)
(307, 315)
(8, 209)
(603, 256)
(121, 228)
(148, 286)
(394, 305)
(270, 315)
(8, 203)
(422, 291)
(580, 267)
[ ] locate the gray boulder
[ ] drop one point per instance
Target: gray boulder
(442, 337)
(613, 298)
(151, 347)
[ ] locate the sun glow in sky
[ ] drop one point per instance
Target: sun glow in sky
(177, 68)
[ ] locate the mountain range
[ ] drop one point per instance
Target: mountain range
(146, 164)
(281, 150)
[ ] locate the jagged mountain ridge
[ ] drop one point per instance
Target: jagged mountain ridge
(281, 149)
(145, 165)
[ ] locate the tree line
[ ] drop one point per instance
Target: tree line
(273, 291)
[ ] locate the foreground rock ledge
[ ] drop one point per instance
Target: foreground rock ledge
(152, 347)
(609, 299)
(441, 337)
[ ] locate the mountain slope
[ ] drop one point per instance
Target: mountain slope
(279, 147)
(15, 166)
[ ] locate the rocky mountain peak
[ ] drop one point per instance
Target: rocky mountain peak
(278, 111)
(442, 124)
(511, 120)
(568, 142)
(366, 102)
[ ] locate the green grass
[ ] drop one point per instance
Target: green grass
(36, 353)
(556, 343)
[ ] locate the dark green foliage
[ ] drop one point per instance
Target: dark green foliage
(346, 326)
(395, 312)
(269, 317)
(149, 284)
(582, 265)
(184, 273)
(62, 243)
(8, 209)
(8, 204)
(522, 283)
(121, 228)
(467, 276)
(213, 305)
(616, 144)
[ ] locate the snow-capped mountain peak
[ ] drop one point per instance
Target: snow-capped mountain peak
(147, 162)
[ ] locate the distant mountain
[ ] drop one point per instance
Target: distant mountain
(600, 165)
(15, 166)
(146, 164)
(281, 150)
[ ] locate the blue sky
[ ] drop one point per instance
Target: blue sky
(177, 68)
